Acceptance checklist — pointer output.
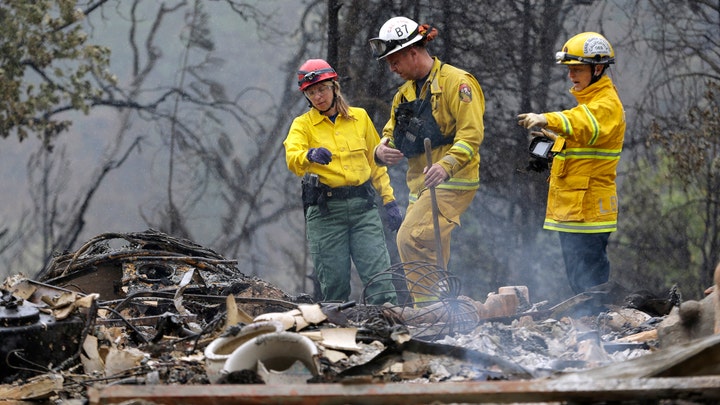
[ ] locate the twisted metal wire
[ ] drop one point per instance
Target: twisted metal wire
(438, 309)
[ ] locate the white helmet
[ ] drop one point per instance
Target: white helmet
(397, 33)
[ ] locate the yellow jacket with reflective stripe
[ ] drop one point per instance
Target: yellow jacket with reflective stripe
(582, 197)
(352, 143)
(458, 106)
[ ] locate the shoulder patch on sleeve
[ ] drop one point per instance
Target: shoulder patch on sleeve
(465, 93)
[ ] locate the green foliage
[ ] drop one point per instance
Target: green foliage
(672, 217)
(651, 249)
(47, 67)
(693, 148)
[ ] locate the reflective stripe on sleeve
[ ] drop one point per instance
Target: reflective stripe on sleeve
(463, 147)
(566, 126)
(593, 124)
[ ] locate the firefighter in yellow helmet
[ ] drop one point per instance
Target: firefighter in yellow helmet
(445, 104)
(582, 203)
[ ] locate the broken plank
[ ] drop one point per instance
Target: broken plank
(35, 388)
(526, 391)
(700, 357)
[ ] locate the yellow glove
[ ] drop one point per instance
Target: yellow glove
(529, 120)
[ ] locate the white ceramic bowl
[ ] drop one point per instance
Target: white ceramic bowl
(219, 350)
(277, 351)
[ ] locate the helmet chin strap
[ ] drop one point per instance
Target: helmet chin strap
(332, 105)
(595, 77)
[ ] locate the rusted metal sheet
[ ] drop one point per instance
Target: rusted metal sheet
(534, 391)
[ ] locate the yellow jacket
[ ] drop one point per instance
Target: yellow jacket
(458, 106)
(582, 197)
(352, 143)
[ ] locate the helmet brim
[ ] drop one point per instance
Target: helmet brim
(381, 50)
(307, 79)
(564, 58)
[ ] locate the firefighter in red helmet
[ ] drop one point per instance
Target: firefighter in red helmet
(331, 148)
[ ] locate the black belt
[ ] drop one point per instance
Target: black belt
(346, 192)
(325, 193)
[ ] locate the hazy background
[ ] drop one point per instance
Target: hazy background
(205, 162)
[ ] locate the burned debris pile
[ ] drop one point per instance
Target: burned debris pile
(128, 296)
(150, 310)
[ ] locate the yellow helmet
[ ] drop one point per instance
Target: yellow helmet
(587, 48)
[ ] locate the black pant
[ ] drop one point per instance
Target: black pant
(585, 257)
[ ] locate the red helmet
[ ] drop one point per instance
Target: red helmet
(314, 71)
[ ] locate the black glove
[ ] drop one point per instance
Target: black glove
(537, 165)
(394, 216)
(319, 155)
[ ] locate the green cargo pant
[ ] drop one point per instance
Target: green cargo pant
(350, 231)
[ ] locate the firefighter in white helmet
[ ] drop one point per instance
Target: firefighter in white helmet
(582, 203)
(330, 147)
(445, 104)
